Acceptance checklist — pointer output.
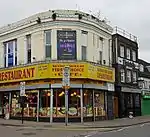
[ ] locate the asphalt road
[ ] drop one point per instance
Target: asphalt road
(12, 131)
(134, 131)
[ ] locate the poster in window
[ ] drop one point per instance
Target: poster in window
(66, 45)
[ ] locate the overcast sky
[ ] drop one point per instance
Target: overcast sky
(131, 15)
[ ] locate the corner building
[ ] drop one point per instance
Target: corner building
(35, 50)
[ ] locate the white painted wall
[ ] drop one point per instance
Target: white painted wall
(38, 47)
(21, 50)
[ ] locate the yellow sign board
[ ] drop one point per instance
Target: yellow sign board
(77, 70)
(54, 70)
(101, 73)
(24, 73)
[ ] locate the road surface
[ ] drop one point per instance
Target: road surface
(6, 131)
(133, 131)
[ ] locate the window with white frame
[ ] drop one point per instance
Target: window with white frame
(121, 51)
(128, 76)
(146, 84)
(122, 75)
(84, 38)
(134, 74)
(141, 67)
(100, 57)
(48, 44)
(28, 44)
(10, 53)
(128, 53)
(101, 42)
(133, 55)
(83, 53)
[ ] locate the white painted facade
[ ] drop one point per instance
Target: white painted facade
(65, 20)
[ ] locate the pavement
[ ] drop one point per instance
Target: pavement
(108, 124)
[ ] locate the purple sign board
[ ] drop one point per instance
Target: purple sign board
(66, 45)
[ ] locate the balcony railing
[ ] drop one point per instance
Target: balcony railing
(125, 34)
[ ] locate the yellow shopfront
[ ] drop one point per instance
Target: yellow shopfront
(87, 96)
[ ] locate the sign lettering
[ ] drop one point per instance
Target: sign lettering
(76, 70)
(17, 74)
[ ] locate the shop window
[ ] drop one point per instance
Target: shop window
(44, 103)
(87, 103)
(30, 109)
(59, 103)
(73, 103)
(15, 105)
(99, 108)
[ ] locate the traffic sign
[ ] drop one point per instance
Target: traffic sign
(66, 77)
(22, 88)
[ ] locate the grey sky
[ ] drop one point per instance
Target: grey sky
(131, 15)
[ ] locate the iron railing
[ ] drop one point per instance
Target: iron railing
(124, 33)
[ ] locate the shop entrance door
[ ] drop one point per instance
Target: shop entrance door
(4, 98)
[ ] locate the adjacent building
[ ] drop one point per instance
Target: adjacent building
(144, 85)
(125, 61)
(35, 51)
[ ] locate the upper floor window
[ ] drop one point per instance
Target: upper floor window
(141, 67)
(83, 52)
(128, 76)
(121, 51)
(10, 53)
(94, 39)
(133, 55)
(28, 44)
(134, 76)
(101, 42)
(122, 75)
(84, 38)
(48, 44)
(128, 54)
(100, 57)
(146, 84)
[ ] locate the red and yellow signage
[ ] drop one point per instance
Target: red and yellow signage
(54, 70)
(25, 73)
